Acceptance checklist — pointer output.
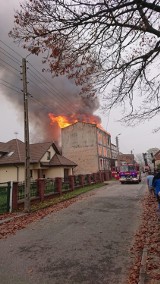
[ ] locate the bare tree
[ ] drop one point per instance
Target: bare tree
(150, 154)
(112, 44)
(140, 160)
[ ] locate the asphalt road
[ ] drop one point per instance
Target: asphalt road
(88, 242)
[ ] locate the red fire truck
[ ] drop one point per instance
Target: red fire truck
(129, 173)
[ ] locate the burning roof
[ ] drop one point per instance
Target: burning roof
(64, 120)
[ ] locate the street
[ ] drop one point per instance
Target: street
(88, 242)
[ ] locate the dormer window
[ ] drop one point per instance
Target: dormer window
(10, 154)
(48, 155)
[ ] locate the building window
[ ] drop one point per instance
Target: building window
(66, 174)
(101, 164)
(109, 140)
(105, 140)
(100, 150)
(99, 138)
(104, 151)
(10, 154)
(48, 155)
(31, 174)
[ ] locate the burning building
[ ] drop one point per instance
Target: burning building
(88, 145)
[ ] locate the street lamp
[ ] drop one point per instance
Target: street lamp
(133, 161)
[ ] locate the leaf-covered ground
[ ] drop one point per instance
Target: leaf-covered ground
(11, 222)
(147, 242)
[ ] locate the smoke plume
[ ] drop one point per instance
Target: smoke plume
(46, 94)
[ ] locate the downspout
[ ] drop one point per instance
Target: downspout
(17, 173)
(97, 129)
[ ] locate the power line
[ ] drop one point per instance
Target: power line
(11, 71)
(45, 83)
(10, 48)
(10, 84)
(9, 65)
(46, 87)
(9, 87)
(62, 105)
(10, 56)
(56, 91)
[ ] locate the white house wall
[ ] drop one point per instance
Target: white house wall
(11, 173)
(57, 172)
(52, 152)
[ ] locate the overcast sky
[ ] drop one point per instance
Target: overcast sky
(137, 139)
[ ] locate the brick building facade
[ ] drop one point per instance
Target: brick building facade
(88, 146)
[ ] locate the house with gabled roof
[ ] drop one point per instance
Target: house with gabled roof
(46, 161)
(127, 158)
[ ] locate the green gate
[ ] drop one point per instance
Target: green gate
(5, 197)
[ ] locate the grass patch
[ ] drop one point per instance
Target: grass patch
(66, 196)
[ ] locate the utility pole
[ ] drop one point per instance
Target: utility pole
(26, 137)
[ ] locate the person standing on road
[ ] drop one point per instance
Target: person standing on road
(156, 185)
(149, 182)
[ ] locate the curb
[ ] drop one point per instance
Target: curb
(142, 273)
(6, 220)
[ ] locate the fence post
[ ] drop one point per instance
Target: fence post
(89, 179)
(107, 175)
(99, 176)
(71, 182)
(81, 180)
(102, 176)
(95, 177)
(41, 188)
(15, 196)
(58, 183)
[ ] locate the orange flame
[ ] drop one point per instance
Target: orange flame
(64, 121)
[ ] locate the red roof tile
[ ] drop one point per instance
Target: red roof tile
(13, 152)
(59, 160)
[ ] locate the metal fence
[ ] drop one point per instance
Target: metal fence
(33, 190)
(85, 179)
(92, 179)
(41, 188)
(50, 186)
(65, 185)
(5, 197)
(76, 181)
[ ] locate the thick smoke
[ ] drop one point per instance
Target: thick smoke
(58, 96)
(64, 100)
